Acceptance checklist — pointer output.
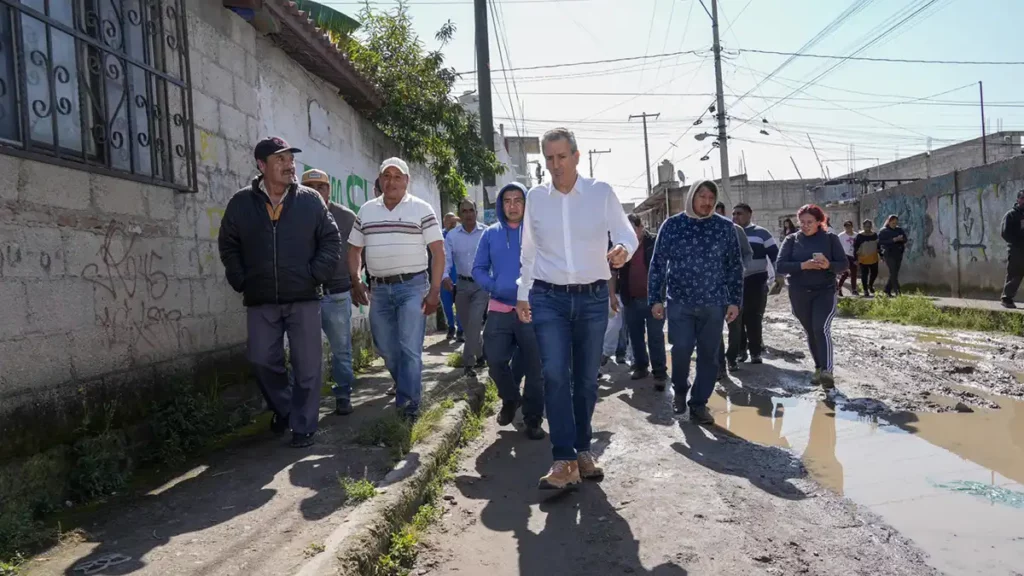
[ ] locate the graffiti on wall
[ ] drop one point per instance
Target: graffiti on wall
(971, 227)
(914, 219)
(130, 289)
(353, 192)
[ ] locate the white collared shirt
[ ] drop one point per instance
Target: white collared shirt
(565, 236)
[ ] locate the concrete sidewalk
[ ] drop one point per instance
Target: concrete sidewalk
(260, 508)
(988, 305)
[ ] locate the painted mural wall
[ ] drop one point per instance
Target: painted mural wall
(953, 223)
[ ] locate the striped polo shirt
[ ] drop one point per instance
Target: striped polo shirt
(395, 241)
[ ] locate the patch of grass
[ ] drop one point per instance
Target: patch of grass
(918, 310)
(11, 567)
(429, 420)
(389, 431)
(454, 360)
(363, 355)
(313, 549)
(357, 490)
(401, 555)
(102, 466)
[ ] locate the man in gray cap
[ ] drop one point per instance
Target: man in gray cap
(396, 230)
(279, 243)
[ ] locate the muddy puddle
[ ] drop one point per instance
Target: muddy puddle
(952, 482)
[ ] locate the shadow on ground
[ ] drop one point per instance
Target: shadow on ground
(582, 532)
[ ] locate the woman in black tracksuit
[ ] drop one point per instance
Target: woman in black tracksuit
(892, 240)
(813, 258)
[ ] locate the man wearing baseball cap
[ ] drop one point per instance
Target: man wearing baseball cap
(397, 229)
(279, 243)
(336, 303)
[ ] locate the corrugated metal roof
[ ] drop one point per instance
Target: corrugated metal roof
(310, 46)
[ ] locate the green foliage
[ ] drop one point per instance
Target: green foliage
(183, 425)
(363, 355)
(102, 466)
(429, 420)
(920, 311)
(454, 360)
(418, 112)
(389, 431)
(12, 567)
(313, 549)
(357, 490)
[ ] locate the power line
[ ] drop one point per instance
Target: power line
(501, 58)
(778, 53)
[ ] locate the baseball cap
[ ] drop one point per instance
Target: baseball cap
(397, 163)
(313, 176)
(274, 145)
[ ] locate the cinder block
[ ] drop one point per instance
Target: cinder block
(14, 310)
(38, 360)
(61, 305)
(54, 186)
(118, 196)
(240, 157)
(216, 81)
(159, 202)
(212, 151)
(9, 169)
(185, 254)
(233, 123)
(230, 55)
(245, 97)
(196, 335)
(213, 296)
(84, 253)
(252, 70)
(231, 329)
(31, 252)
(205, 111)
(242, 33)
(254, 131)
(186, 209)
(195, 58)
(102, 349)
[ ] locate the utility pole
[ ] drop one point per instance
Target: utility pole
(647, 149)
(723, 145)
(483, 78)
(591, 155)
(984, 145)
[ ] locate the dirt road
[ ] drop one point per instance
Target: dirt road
(890, 475)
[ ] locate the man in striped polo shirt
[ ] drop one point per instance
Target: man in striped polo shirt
(395, 230)
(748, 333)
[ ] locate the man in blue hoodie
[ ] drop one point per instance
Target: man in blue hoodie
(496, 270)
(697, 261)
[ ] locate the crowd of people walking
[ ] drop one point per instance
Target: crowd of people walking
(560, 284)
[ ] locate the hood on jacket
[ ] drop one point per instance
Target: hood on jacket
(710, 184)
(499, 209)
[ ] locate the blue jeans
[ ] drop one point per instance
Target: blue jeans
(697, 327)
(447, 300)
(398, 326)
(512, 353)
(570, 329)
(336, 320)
(639, 319)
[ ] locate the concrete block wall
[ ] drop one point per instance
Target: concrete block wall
(106, 283)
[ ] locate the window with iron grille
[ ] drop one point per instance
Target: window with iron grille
(102, 85)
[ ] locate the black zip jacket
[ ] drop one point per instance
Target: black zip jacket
(278, 262)
(1013, 229)
(887, 242)
(622, 285)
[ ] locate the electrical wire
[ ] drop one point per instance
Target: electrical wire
(501, 58)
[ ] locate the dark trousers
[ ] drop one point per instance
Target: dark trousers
(266, 326)
(851, 274)
(893, 262)
(639, 319)
(689, 328)
(1014, 273)
(815, 309)
(513, 353)
(868, 275)
(746, 331)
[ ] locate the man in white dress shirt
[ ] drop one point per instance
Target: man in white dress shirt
(563, 290)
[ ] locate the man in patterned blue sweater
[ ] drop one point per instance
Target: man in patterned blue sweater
(697, 262)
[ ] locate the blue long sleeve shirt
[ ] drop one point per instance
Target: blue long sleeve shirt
(697, 262)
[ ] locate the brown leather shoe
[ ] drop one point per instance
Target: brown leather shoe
(563, 474)
(589, 468)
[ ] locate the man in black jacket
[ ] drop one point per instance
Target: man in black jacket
(632, 287)
(279, 243)
(1013, 234)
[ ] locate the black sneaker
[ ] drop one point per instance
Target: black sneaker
(702, 416)
(756, 359)
(302, 440)
(604, 360)
(468, 371)
(460, 338)
(481, 363)
(722, 374)
(507, 413)
(393, 390)
(450, 335)
(1007, 303)
(278, 424)
(534, 431)
(743, 356)
(621, 360)
(679, 403)
(343, 407)
(659, 382)
(733, 366)
(639, 374)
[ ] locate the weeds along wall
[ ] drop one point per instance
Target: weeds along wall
(113, 295)
(953, 222)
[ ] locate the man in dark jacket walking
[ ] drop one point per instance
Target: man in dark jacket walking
(507, 340)
(631, 282)
(279, 243)
(1013, 234)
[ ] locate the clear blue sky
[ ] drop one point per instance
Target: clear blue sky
(559, 31)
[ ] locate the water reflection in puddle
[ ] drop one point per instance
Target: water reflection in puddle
(910, 470)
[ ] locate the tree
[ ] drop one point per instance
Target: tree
(419, 113)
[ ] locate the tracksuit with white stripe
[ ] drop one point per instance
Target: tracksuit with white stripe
(813, 292)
